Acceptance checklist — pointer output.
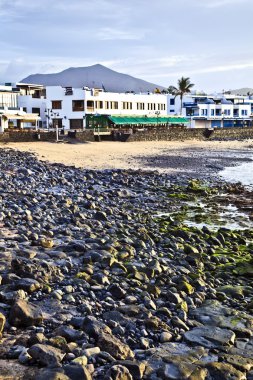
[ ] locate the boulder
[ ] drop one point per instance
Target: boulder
(210, 337)
(114, 346)
(46, 355)
(94, 328)
(77, 371)
(52, 374)
(119, 372)
(136, 368)
(25, 314)
(223, 371)
(2, 322)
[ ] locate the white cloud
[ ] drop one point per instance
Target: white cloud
(220, 3)
(106, 34)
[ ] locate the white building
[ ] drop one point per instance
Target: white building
(67, 107)
(210, 111)
(12, 115)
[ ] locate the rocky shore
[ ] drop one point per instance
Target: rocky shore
(123, 274)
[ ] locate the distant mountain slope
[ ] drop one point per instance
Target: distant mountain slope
(96, 76)
(242, 91)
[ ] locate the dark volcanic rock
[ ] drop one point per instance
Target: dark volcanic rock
(25, 314)
(114, 346)
(46, 355)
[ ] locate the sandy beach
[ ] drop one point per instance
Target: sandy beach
(187, 157)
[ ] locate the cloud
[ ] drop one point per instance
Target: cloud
(106, 34)
(220, 3)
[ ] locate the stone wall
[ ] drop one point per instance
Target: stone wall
(175, 134)
(85, 136)
(237, 133)
(28, 136)
(172, 134)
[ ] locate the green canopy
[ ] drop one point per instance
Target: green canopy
(135, 120)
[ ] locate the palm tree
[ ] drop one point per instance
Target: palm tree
(184, 87)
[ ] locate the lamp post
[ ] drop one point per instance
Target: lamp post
(84, 122)
(157, 115)
(55, 115)
(222, 119)
(47, 112)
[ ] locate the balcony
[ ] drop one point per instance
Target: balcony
(190, 105)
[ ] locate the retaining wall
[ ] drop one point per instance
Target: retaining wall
(28, 136)
(173, 134)
(237, 133)
(192, 134)
(168, 135)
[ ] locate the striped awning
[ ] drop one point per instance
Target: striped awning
(143, 120)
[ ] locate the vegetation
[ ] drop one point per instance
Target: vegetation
(184, 87)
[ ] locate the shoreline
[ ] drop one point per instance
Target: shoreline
(116, 264)
(197, 159)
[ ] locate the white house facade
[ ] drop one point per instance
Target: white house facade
(214, 111)
(68, 106)
(11, 113)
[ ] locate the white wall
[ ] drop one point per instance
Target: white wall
(28, 102)
(66, 113)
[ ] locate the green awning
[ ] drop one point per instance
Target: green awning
(137, 120)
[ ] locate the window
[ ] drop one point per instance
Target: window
(127, 105)
(161, 107)
(172, 102)
(24, 109)
(204, 112)
(140, 106)
(78, 105)
(151, 106)
(56, 105)
(76, 123)
(212, 112)
(244, 112)
(36, 110)
(114, 105)
(99, 104)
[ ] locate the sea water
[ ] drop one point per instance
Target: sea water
(242, 173)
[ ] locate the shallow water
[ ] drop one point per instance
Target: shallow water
(242, 173)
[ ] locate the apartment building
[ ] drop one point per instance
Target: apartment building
(69, 107)
(12, 115)
(214, 111)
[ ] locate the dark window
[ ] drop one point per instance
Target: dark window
(76, 123)
(57, 122)
(172, 102)
(24, 109)
(78, 105)
(36, 110)
(56, 105)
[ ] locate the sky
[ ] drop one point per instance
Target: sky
(209, 41)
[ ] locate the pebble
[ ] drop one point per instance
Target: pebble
(92, 279)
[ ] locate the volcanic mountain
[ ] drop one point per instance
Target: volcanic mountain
(96, 76)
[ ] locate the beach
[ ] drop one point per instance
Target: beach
(100, 267)
(190, 158)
